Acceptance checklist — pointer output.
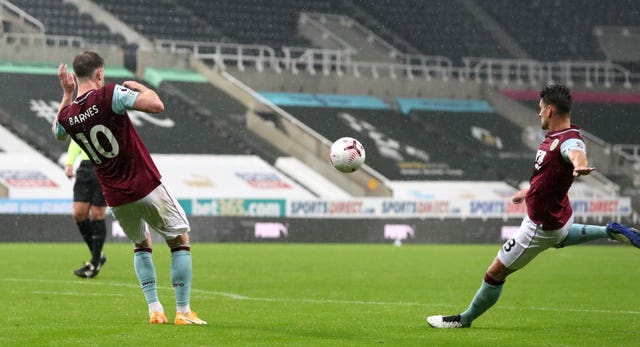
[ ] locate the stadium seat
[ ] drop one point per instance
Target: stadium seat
(61, 18)
(566, 33)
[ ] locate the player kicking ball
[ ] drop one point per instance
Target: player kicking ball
(549, 222)
(97, 120)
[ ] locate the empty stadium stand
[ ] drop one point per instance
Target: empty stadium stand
(436, 27)
(561, 30)
(486, 141)
(427, 146)
(213, 128)
(613, 123)
(172, 20)
(61, 18)
(223, 116)
(266, 22)
(612, 117)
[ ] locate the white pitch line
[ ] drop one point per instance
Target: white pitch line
(233, 296)
(67, 293)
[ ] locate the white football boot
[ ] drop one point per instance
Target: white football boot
(445, 322)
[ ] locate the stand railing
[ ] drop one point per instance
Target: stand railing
(629, 152)
(341, 62)
(535, 72)
(22, 15)
(39, 39)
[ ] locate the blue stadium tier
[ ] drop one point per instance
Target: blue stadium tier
(191, 127)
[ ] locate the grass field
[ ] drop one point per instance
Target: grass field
(321, 295)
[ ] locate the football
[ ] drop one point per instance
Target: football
(347, 154)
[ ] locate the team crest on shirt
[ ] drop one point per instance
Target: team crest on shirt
(554, 144)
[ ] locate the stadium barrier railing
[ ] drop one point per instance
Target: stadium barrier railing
(23, 16)
(535, 72)
(37, 39)
(342, 62)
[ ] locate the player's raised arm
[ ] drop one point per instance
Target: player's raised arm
(580, 165)
(147, 101)
(68, 85)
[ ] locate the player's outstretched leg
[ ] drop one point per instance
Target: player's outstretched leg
(486, 296)
(624, 234)
(581, 233)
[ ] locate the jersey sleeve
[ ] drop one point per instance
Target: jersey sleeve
(123, 99)
(572, 145)
(59, 132)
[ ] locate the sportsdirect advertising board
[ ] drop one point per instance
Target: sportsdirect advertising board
(459, 208)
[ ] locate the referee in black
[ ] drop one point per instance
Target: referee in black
(89, 209)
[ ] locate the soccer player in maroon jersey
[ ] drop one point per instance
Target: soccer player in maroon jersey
(549, 222)
(97, 120)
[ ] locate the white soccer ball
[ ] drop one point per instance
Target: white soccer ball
(347, 154)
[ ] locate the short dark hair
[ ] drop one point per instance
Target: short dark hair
(557, 95)
(86, 63)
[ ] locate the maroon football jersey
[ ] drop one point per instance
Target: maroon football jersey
(547, 200)
(123, 163)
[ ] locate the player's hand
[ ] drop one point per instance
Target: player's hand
(68, 170)
(67, 80)
(582, 171)
(518, 197)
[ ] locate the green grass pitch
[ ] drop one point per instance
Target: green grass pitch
(321, 295)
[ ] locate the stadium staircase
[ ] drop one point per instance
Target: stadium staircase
(335, 31)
